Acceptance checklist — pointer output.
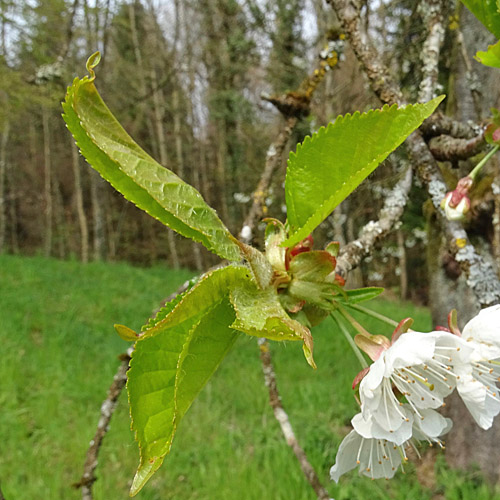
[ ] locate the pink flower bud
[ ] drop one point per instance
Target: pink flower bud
(456, 203)
(457, 212)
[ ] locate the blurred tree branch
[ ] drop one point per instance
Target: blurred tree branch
(352, 254)
(448, 148)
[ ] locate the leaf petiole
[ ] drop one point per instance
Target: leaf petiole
(361, 330)
(373, 314)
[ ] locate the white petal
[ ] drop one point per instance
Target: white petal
(373, 378)
(482, 407)
(346, 459)
(431, 426)
(458, 349)
(379, 458)
(412, 348)
(376, 458)
(369, 428)
(389, 413)
(485, 327)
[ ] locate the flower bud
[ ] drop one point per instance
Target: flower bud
(456, 203)
(455, 212)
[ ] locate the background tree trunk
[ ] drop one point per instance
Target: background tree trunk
(3, 186)
(47, 165)
(80, 210)
(466, 444)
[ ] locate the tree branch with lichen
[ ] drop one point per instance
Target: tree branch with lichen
(481, 276)
(439, 124)
(352, 254)
(447, 148)
(107, 409)
(432, 12)
(284, 422)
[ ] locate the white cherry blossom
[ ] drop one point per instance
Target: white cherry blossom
(477, 383)
(377, 457)
(420, 367)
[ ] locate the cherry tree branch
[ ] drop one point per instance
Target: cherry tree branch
(481, 276)
(447, 148)
(439, 124)
(107, 409)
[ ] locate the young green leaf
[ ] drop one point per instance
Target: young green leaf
(260, 266)
(163, 380)
(211, 288)
(328, 166)
(260, 313)
(488, 12)
(491, 57)
(132, 172)
(166, 374)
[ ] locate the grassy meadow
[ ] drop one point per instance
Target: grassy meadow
(58, 356)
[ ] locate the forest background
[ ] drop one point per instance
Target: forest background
(186, 79)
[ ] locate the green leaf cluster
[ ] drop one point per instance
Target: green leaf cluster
(178, 352)
(279, 295)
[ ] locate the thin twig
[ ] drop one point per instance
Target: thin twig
(282, 418)
(107, 409)
(481, 276)
(273, 161)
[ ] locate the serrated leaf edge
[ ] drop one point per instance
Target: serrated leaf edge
(69, 101)
(295, 236)
(157, 461)
(150, 332)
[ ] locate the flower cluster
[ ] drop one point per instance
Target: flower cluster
(411, 376)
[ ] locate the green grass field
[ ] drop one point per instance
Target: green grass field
(58, 356)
